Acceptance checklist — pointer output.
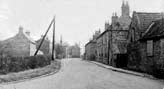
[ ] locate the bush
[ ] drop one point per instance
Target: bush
(16, 64)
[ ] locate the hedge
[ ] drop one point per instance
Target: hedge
(16, 64)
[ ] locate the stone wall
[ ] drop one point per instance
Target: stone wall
(20, 46)
(134, 56)
(90, 50)
(138, 58)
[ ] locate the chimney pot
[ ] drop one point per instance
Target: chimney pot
(20, 29)
(28, 33)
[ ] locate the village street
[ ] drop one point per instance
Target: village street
(79, 74)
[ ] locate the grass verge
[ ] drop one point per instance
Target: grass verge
(32, 73)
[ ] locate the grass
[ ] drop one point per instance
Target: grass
(32, 73)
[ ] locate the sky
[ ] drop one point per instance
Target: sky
(76, 20)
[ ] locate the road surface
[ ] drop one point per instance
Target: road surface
(78, 74)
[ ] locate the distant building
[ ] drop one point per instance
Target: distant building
(21, 45)
(73, 51)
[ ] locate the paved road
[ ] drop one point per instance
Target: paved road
(78, 74)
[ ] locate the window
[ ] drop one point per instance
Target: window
(150, 48)
(162, 46)
(133, 35)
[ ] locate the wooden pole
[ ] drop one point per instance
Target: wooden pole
(53, 41)
(43, 38)
(108, 45)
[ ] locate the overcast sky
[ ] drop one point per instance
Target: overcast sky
(76, 20)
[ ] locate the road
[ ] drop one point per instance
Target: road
(78, 74)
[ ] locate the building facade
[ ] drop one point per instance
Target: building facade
(91, 47)
(145, 46)
(90, 51)
(21, 45)
(73, 51)
(112, 43)
(102, 47)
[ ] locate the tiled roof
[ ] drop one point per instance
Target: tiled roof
(145, 19)
(156, 30)
(102, 34)
(90, 42)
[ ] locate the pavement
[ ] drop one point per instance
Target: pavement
(123, 70)
(78, 74)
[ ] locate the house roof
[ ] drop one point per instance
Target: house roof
(20, 33)
(155, 30)
(90, 42)
(102, 34)
(145, 19)
(29, 38)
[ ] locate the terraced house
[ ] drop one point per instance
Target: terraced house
(102, 47)
(90, 47)
(112, 43)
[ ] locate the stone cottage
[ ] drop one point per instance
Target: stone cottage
(91, 47)
(21, 45)
(152, 47)
(145, 41)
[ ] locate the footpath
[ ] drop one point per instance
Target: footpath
(124, 71)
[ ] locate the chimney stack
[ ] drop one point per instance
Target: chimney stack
(28, 33)
(20, 29)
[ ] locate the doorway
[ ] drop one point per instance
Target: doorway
(121, 60)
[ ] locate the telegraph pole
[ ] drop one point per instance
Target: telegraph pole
(53, 41)
(44, 37)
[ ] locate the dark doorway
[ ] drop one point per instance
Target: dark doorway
(122, 60)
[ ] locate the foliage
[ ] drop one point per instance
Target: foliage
(60, 51)
(16, 64)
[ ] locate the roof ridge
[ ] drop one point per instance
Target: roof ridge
(148, 12)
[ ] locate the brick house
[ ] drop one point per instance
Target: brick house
(21, 45)
(145, 41)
